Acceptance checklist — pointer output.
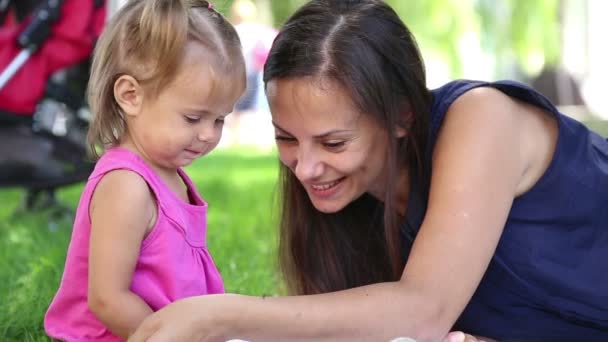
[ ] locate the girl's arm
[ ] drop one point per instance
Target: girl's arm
(481, 162)
(122, 210)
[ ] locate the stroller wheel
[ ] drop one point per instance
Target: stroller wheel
(44, 201)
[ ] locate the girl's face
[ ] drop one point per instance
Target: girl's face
(336, 152)
(185, 121)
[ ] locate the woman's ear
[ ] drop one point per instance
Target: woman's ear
(129, 95)
(400, 132)
(404, 125)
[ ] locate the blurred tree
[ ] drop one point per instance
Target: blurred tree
(281, 10)
(518, 33)
(223, 6)
(522, 31)
(438, 26)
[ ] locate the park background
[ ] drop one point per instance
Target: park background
(475, 39)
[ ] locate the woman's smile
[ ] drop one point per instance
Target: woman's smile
(327, 189)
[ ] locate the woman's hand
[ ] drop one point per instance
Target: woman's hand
(458, 336)
(189, 319)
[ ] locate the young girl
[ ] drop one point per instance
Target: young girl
(164, 76)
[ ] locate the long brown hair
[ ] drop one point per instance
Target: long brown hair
(366, 48)
(146, 39)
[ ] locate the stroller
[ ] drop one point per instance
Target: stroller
(45, 53)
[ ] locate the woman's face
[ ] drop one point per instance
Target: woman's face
(336, 152)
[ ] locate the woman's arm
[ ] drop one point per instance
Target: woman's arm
(122, 209)
(215, 318)
(479, 164)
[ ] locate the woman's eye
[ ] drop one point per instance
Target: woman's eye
(219, 121)
(334, 144)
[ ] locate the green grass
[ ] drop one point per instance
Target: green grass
(239, 187)
(599, 126)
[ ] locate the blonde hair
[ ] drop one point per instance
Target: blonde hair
(146, 39)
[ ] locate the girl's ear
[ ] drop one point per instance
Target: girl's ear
(129, 95)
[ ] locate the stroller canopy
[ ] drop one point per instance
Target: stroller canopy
(71, 41)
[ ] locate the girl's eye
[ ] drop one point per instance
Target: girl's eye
(192, 119)
(219, 121)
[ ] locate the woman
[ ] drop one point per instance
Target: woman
(496, 200)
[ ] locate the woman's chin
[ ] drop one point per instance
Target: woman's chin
(329, 207)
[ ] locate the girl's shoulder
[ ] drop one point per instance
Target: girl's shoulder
(118, 158)
(124, 191)
(125, 174)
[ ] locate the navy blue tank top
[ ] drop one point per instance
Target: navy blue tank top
(548, 279)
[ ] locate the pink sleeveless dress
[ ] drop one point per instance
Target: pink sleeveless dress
(173, 262)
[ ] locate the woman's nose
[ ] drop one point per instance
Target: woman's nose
(308, 165)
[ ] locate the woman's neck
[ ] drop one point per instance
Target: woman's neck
(403, 191)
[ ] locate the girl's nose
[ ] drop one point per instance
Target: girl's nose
(207, 133)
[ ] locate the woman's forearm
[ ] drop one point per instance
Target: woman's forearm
(122, 313)
(378, 312)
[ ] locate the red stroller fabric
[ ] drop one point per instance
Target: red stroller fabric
(71, 41)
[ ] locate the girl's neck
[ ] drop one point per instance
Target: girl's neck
(132, 146)
(169, 176)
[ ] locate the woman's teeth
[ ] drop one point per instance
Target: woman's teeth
(325, 186)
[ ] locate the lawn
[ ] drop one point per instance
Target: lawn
(240, 189)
